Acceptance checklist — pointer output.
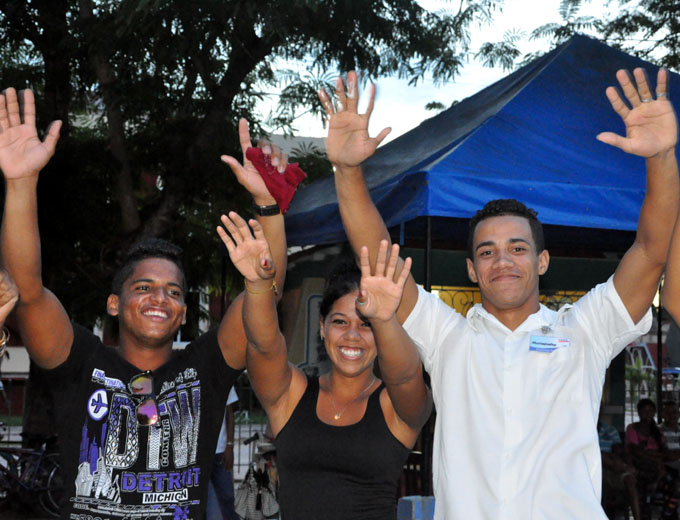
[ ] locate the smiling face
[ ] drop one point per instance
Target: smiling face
(150, 306)
(506, 264)
(348, 338)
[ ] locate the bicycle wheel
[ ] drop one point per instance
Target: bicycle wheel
(52, 485)
(9, 467)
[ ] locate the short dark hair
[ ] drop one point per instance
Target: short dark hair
(645, 402)
(501, 207)
(344, 278)
(147, 248)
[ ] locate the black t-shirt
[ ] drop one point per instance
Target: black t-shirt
(113, 468)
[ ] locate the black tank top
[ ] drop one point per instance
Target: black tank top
(338, 472)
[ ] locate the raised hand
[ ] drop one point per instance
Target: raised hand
(22, 153)
(246, 174)
(651, 125)
(380, 293)
(9, 295)
(249, 254)
(348, 143)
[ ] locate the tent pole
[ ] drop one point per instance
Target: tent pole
(428, 255)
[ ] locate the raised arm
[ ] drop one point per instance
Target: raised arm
(270, 373)
(652, 133)
(348, 145)
(400, 367)
(231, 335)
(44, 325)
(671, 286)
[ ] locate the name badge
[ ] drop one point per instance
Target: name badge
(547, 343)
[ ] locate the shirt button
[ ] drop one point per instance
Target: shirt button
(510, 410)
(507, 456)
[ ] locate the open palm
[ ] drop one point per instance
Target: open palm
(249, 254)
(22, 153)
(651, 125)
(246, 173)
(380, 293)
(348, 142)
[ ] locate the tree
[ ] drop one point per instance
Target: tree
(150, 92)
(649, 29)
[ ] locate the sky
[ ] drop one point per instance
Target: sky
(402, 107)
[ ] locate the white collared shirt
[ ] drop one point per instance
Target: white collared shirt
(515, 436)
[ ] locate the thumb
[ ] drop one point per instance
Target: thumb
(52, 135)
(234, 165)
(613, 139)
(379, 138)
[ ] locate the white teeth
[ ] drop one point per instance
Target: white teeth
(351, 352)
(156, 313)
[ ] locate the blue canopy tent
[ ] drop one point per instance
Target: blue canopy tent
(529, 136)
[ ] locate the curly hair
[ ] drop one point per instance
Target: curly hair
(147, 248)
(344, 278)
(500, 207)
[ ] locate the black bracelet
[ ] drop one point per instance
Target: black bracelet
(266, 211)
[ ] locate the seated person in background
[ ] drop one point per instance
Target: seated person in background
(618, 476)
(671, 431)
(342, 438)
(646, 449)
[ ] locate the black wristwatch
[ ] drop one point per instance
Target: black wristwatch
(266, 211)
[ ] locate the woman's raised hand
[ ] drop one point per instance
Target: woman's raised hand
(380, 292)
(249, 252)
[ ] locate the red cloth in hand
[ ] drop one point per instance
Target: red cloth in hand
(281, 186)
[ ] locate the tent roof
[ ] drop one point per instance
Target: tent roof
(529, 136)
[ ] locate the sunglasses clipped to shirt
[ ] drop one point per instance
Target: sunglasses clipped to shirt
(141, 386)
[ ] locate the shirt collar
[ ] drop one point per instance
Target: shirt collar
(545, 319)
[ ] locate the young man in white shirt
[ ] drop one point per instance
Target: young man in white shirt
(517, 386)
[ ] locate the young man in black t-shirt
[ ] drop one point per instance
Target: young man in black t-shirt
(137, 424)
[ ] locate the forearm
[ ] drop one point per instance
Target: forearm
(660, 206)
(402, 373)
(20, 238)
(637, 276)
(362, 221)
(260, 318)
(275, 233)
(44, 325)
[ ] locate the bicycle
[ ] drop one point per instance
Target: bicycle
(30, 474)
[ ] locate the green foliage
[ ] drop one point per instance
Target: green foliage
(649, 29)
(150, 92)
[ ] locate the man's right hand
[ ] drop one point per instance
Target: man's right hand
(348, 143)
(22, 153)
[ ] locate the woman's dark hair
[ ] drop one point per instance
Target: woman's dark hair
(344, 278)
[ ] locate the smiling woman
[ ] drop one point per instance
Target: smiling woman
(341, 438)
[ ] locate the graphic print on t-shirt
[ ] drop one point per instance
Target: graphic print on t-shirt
(131, 471)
